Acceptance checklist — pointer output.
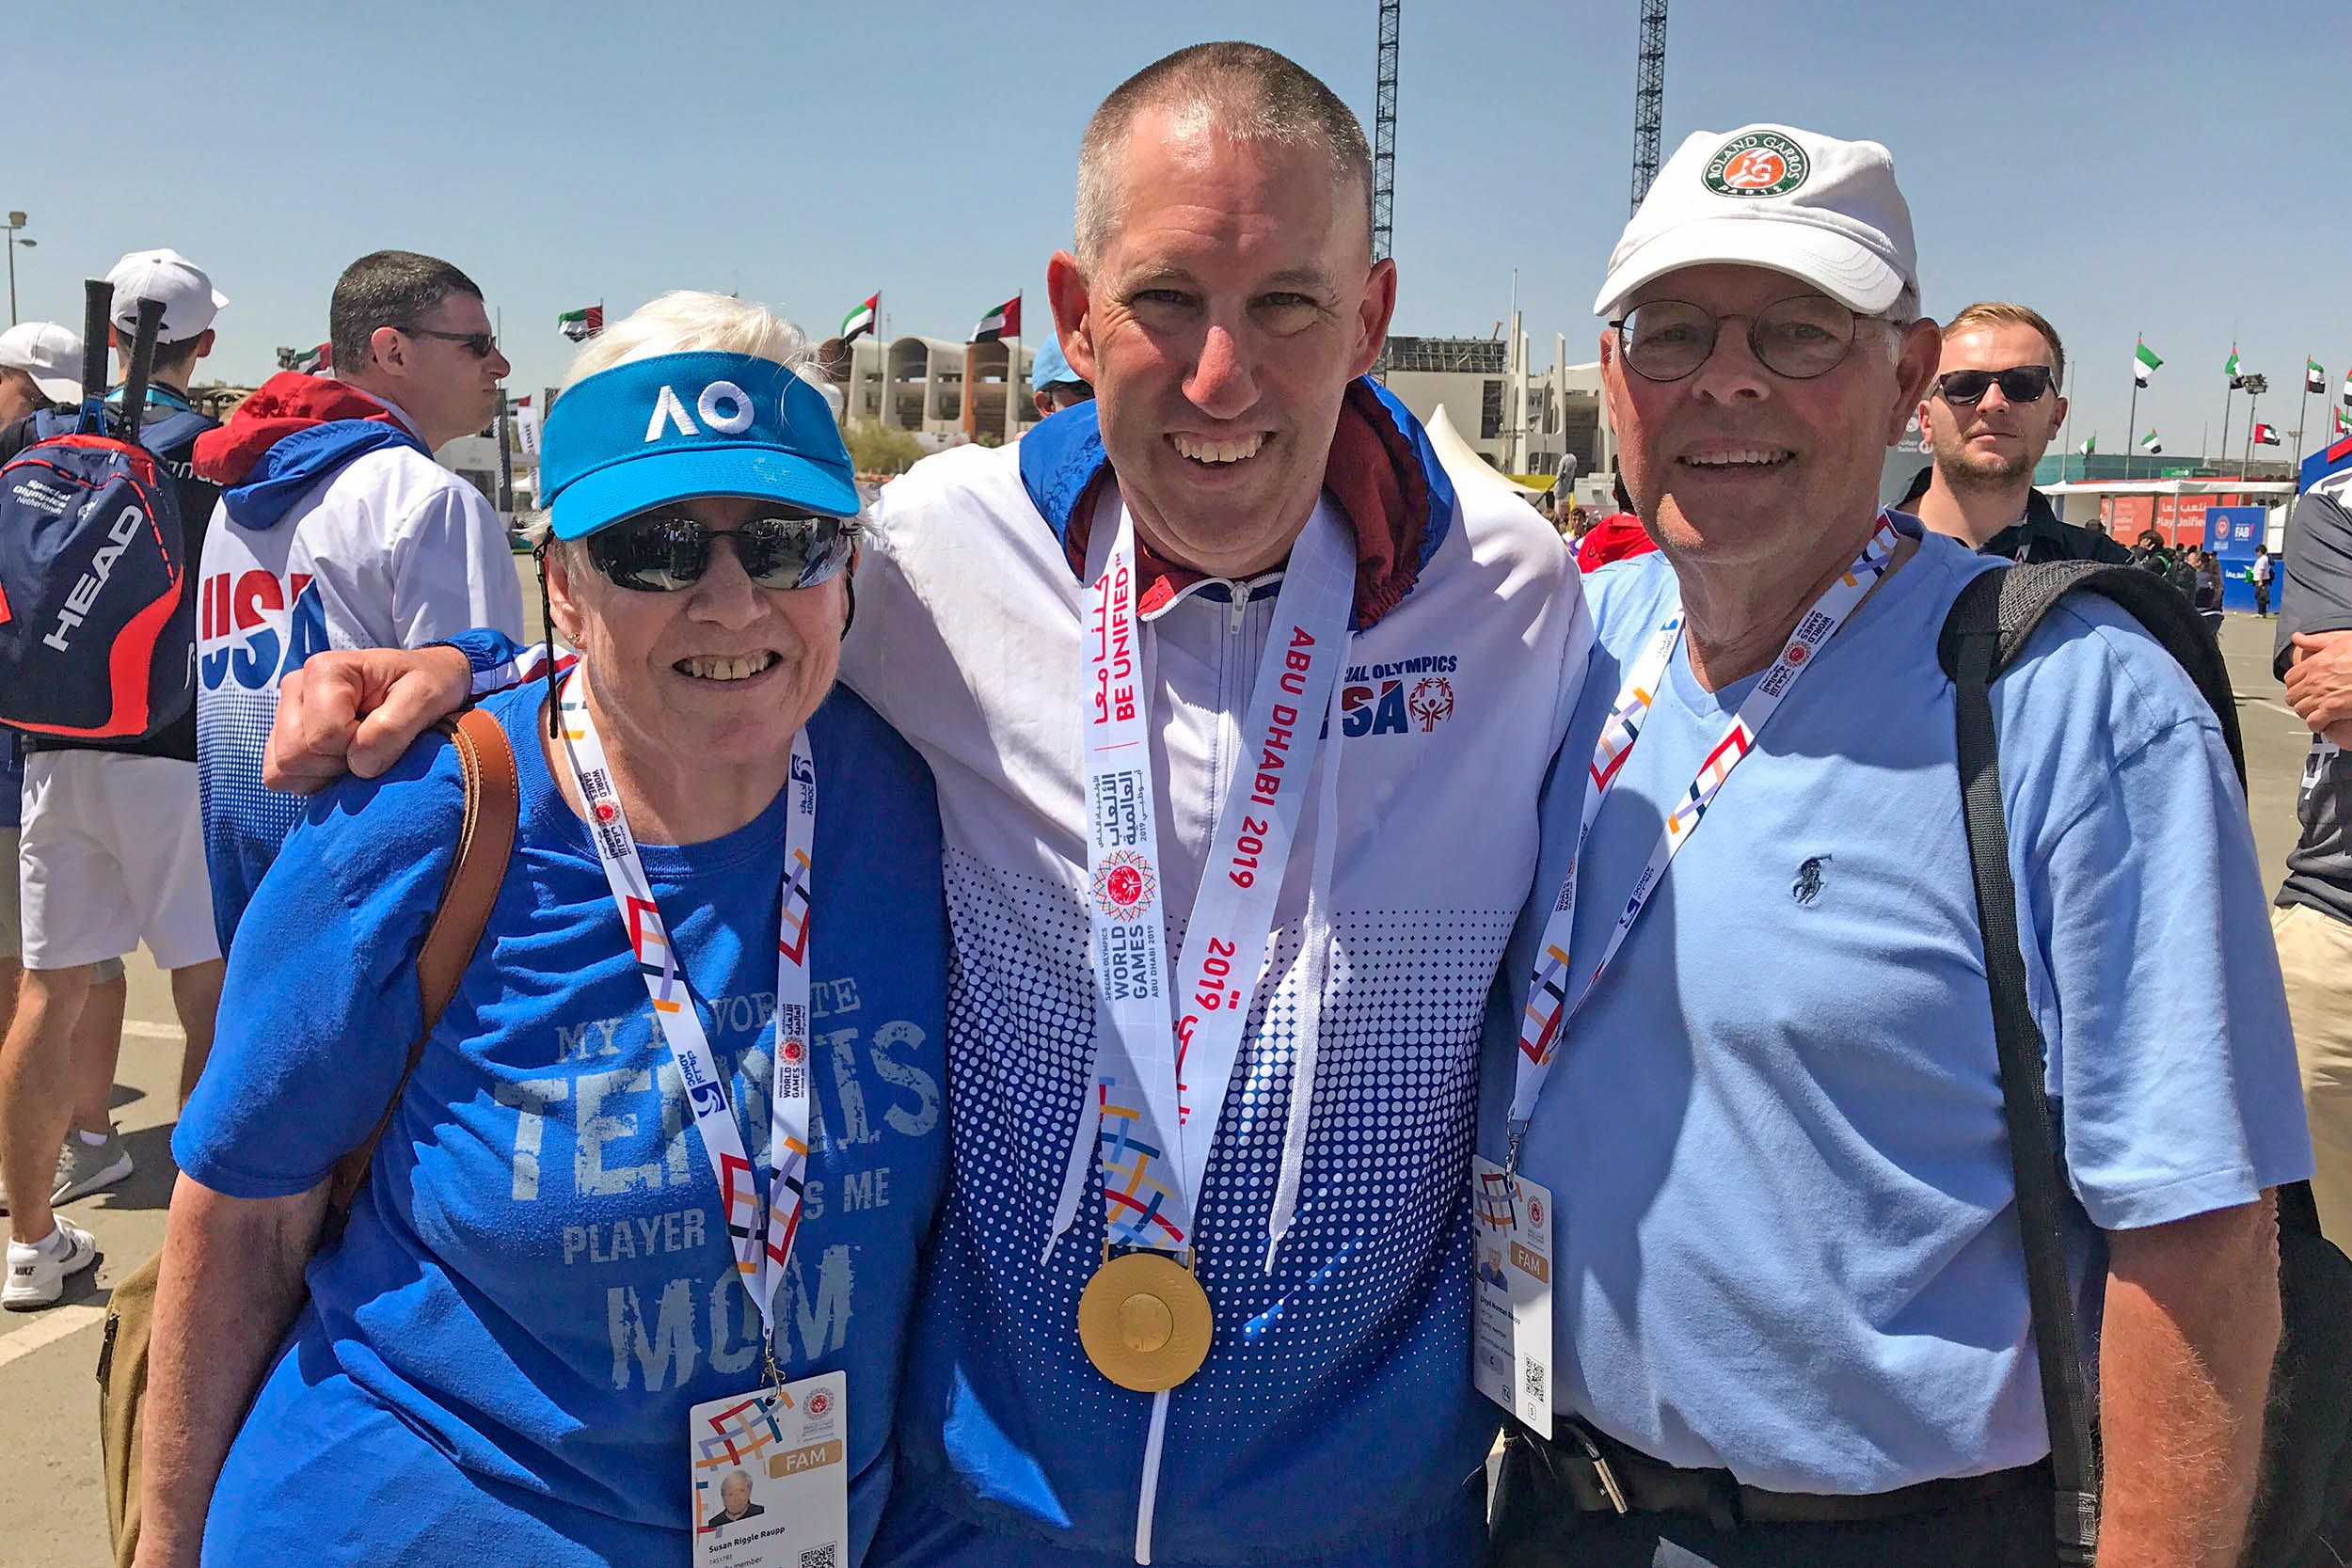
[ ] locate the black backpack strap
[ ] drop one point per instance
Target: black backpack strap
(1971, 648)
(2024, 594)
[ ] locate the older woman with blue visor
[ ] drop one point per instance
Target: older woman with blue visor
(646, 1211)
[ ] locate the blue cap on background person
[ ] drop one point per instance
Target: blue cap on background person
(1052, 369)
(678, 426)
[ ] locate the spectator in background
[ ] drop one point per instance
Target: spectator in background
(2312, 917)
(2207, 592)
(110, 854)
(338, 530)
(1618, 536)
(41, 365)
(1053, 384)
(1987, 417)
(2259, 574)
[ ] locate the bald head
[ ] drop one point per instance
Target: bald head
(1248, 93)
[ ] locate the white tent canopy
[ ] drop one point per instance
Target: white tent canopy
(1462, 462)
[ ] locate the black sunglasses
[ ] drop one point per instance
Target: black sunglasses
(480, 344)
(660, 552)
(2019, 383)
(1798, 338)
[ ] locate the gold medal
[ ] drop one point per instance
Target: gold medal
(1145, 1322)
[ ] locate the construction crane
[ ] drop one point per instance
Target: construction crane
(1384, 133)
(1649, 97)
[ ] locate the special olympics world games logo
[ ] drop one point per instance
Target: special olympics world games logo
(1432, 702)
(1123, 884)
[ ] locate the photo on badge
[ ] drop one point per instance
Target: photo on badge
(769, 1472)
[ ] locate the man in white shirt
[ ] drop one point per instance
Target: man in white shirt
(337, 530)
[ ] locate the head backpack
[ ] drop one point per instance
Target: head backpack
(93, 561)
(2302, 1514)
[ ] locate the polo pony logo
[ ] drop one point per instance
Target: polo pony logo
(1808, 887)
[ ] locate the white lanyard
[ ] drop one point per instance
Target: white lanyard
(1160, 1072)
(1549, 1009)
(760, 1248)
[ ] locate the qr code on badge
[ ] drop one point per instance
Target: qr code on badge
(1532, 1376)
(827, 1556)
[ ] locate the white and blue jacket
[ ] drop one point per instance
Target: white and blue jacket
(1335, 1417)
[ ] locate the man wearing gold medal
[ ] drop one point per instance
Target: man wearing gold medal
(1239, 710)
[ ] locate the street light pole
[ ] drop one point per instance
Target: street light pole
(16, 221)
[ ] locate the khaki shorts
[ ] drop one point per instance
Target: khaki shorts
(2315, 958)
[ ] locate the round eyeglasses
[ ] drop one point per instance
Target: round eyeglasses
(1799, 338)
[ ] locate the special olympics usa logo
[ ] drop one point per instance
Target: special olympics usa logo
(1123, 884)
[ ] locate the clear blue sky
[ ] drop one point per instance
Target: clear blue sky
(2156, 167)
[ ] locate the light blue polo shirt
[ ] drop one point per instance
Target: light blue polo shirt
(1784, 1235)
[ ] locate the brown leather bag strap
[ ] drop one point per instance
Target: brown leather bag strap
(484, 840)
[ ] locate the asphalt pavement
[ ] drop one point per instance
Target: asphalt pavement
(52, 1514)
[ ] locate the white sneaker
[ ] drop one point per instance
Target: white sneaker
(83, 1168)
(37, 1271)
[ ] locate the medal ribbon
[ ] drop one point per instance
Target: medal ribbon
(761, 1230)
(1162, 1072)
(1550, 1007)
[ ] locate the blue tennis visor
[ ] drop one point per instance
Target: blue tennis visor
(681, 426)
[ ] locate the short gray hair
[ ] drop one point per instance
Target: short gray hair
(689, 320)
(1248, 93)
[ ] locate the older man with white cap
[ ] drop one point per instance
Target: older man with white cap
(41, 364)
(1756, 1108)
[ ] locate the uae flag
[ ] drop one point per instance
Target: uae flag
(2314, 379)
(2143, 360)
(1003, 322)
(2148, 443)
(584, 324)
(2230, 369)
(2090, 444)
(307, 362)
(2344, 423)
(860, 322)
(2347, 388)
(2265, 435)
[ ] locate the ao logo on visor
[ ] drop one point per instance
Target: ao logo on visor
(725, 408)
(1761, 163)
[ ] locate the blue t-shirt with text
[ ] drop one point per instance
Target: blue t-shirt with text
(536, 1284)
(1784, 1233)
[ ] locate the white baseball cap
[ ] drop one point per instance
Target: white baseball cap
(50, 353)
(190, 301)
(1822, 211)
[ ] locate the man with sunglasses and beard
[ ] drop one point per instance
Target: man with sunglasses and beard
(1988, 415)
(337, 530)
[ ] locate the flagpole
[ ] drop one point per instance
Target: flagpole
(2303, 412)
(2225, 417)
(2065, 438)
(2131, 421)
